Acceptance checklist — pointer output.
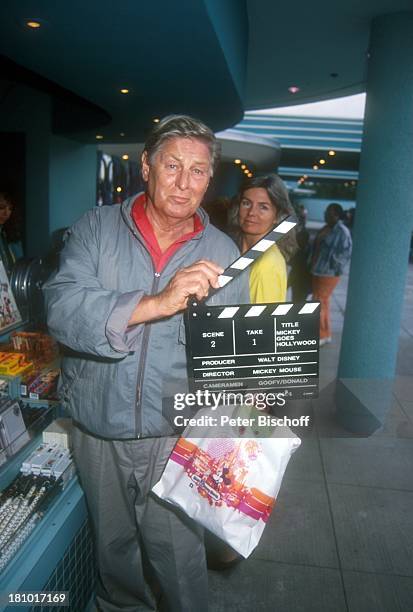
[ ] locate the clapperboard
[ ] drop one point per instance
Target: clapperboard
(261, 347)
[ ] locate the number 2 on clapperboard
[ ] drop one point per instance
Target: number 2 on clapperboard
(254, 343)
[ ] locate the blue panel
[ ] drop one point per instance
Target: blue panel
(75, 573)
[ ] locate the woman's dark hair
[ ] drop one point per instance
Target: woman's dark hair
(278, 194)
(12, 226)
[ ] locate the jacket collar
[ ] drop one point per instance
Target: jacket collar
(126, 212)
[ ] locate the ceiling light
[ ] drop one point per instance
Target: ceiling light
(125, 156)
(315, 167)
(246, 171)
(237, 161)
(331, 152)
(249, 174)
(118, 189)
(293, 89)
(156, 120)
(34, 25)
(99, 137)
(122, 134)
(322, 162)
(124, 90)
(243, 167)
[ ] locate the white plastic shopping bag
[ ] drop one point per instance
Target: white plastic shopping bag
(229, 485)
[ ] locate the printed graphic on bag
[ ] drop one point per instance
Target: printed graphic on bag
(219, 474)
(228, 484)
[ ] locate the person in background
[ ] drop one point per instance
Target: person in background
(348, 220)
(261, 203)
(10, 243)
(331, 253)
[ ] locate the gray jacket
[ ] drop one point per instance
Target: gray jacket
(117, 381)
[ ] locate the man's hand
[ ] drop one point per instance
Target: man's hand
(194, 280)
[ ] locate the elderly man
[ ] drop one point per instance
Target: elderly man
(116, 303)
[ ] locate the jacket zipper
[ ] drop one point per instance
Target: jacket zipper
(145, 342)
(145, 339)
(142, 362)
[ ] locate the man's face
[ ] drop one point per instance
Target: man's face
(177, 177)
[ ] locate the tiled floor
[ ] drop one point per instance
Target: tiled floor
(341, 536)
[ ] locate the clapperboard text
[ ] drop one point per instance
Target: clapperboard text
(260, 347)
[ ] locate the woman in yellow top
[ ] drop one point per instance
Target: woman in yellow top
(262, 202)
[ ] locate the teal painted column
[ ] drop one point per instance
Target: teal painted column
(383, 226)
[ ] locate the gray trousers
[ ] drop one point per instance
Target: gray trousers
(134, 531)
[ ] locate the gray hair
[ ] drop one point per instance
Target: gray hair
(182, 126)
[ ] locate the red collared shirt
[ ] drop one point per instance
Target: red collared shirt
(143, 224)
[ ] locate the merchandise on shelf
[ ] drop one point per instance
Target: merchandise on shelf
(59, 432)
(49, 460)
(13, 433)
(23, 503)
(29, 367)
(4, 387)
(36, 345)
(12, 364)
(40, 385)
